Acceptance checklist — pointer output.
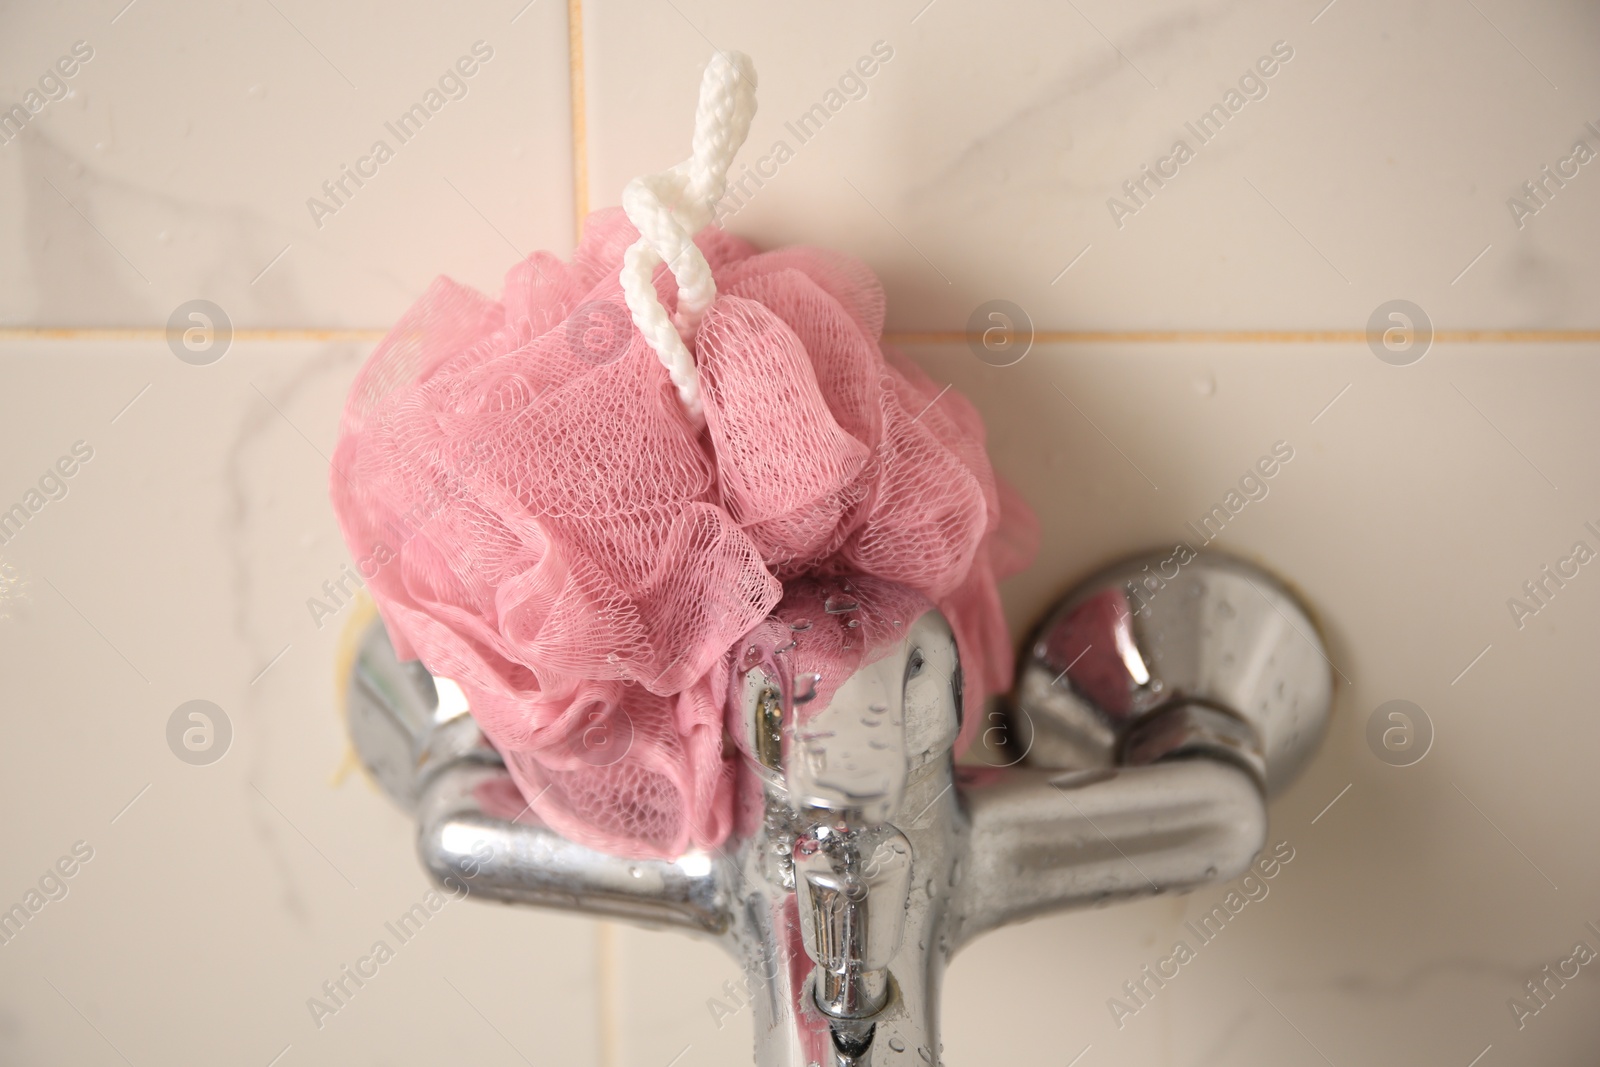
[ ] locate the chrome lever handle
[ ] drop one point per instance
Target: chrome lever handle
(1043, 841)
(878, 863)
(836, 778)
(853, 889)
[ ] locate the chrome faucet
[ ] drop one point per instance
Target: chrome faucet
(1153, 716)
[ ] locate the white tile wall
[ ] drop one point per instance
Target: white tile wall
(177, 568)
(980, 159)
(181, 162)
(977, 165)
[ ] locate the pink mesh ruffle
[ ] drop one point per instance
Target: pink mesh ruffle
(555, 536)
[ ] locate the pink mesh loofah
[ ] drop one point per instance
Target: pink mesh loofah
(556, 535)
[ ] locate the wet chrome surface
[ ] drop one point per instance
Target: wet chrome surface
(1168, 628)
(1153, 721)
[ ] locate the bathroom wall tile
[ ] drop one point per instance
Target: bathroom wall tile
(179, 563)
(183, 161)
(979, 162)
(1416, 503)
(219, 898)
(976, 165)
(696, 1016)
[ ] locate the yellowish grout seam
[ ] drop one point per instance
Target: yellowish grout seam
(1313, 337)
(901, 337)
(580, 118)
(580, 208)
(609, 993)
(159, 333)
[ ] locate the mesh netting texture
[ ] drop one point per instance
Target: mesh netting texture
(558, 537)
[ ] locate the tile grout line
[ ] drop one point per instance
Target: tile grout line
(1469, 336)
(580, 118)
(577, 98)
(904, 337)
(606, 979)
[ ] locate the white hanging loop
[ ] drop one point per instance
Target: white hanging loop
(670, 207)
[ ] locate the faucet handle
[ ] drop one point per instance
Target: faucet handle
(853, 799)
(407, 725)
(1164, 654)
(850, 703)
(853, 887)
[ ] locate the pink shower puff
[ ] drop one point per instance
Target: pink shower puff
(563, 542)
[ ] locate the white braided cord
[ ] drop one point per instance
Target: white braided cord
(670, 207)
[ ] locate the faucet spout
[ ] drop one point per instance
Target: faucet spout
(850, 962)
(866, 858)
(857, 783)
